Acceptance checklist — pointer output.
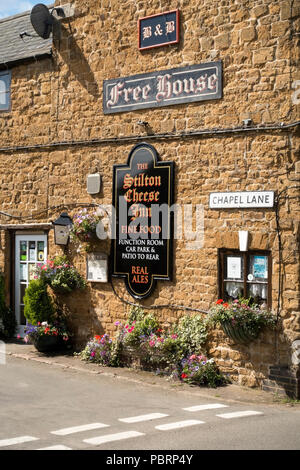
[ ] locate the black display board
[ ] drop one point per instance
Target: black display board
(142, 251)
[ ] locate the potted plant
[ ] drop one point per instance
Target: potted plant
(60, 275)
(84, 227)
(46, 327)
(47, 337)
(241, 320)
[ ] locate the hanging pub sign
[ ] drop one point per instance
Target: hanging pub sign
(158, 30)
(142, 250)
(164, 88)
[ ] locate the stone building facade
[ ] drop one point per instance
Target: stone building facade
(54, 133)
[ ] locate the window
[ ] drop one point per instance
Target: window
(5, 90)
(246, 274)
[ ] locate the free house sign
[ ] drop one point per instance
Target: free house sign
(167, 87)
(142, 251)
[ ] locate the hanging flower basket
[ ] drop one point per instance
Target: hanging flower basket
(87, 237)
(239, 334)
(84, 227)
(61, 276)
(241, 321)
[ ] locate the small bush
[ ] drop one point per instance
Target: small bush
(98, 350)
(38, 306)
(140, 325)
(198, 370)
(192, 333)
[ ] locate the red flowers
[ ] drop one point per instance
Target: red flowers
(220, 301)
(183, 376)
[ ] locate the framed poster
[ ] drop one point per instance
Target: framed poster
(260, 267)
(234, 270)
(97, 267)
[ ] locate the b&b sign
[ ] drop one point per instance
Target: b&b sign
(158, 30)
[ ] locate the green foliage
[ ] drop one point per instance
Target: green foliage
(167, 348)
(198, 370)
(7, 318)
(139, 325)
(38, 304)
(98, 350)
(192, 333)
(60, 275)
(162, 350)
(173, 351)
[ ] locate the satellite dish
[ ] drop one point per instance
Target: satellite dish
(42, 20)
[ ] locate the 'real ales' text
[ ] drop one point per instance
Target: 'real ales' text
(169, 87)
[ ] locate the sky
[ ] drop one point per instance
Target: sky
(12, 7)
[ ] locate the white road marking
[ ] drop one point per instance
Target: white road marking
(137, 419)
(57, 447)
(209, 406)
(239, 414)
(84, 427)
(113, 437)
(17, 440)
(178, 424)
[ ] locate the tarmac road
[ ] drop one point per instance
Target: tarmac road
(45, 405)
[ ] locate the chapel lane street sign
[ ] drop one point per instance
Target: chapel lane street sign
(158, 30)
(164, 88)
(142, 251)
(241, 200)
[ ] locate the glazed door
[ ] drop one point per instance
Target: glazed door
(30, 250)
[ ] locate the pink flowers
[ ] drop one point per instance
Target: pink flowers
(130, 330)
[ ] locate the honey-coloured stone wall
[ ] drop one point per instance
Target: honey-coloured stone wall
(56, 134)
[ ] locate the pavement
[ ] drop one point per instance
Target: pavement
(67, 360)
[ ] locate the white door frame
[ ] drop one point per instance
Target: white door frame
(27, 237)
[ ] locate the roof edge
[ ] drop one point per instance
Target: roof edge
(15, 63)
